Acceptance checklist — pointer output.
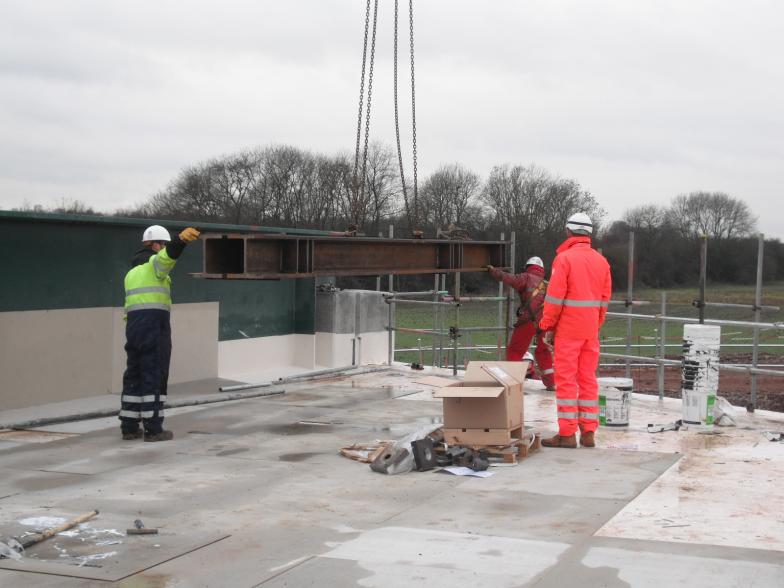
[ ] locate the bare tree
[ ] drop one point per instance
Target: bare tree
(646, 217)
(535, 204)
(447, 194)
(714, 214)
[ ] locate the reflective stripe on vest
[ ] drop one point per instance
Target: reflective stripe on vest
(148, 306)
(148, 285)
(591, 416)
(546, 372)
(577, 303)
(588, 402)
(566, 401)
(148, 290)
(567, 415)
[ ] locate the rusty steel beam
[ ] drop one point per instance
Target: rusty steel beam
(275, 256)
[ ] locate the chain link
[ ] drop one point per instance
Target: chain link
(367, 111)
(413, 112)
(355, 186)
(397, 118)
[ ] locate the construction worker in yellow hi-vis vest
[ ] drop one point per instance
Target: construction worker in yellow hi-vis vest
(148, 333)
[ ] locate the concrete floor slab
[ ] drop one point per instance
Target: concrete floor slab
(267, 472)
(653, 570)
(404, 556)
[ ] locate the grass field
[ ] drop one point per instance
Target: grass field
(613, 333)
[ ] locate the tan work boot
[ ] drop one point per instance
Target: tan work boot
(586, 439)
(133, 435)
(569, 441)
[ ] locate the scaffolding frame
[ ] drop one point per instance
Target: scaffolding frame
(441, 300)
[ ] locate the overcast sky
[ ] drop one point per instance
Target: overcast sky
(639, 100)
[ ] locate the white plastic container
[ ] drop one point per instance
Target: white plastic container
(615, 399)
(700, 375)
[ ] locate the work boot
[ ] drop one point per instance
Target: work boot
(569, 441)
(162, 436)
(138, 434)
(586, 439)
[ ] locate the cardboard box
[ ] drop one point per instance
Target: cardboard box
(486, 408)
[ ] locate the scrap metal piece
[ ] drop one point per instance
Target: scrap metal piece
(424, 454)
(391, 461)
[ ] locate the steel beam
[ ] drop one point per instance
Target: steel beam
(273, 257)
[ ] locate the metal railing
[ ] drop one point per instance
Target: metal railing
(445, 347)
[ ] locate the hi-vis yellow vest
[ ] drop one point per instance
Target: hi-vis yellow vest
(148, 286)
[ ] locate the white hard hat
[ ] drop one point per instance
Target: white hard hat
(156, 233)
(535, 261)
(528, 356)
(580, 222)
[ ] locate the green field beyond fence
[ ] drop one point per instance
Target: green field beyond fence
(645, 334)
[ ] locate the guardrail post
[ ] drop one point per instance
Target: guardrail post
(662, 343)
(757, 309)
(629, 298)
(501, 308)
(391, 315)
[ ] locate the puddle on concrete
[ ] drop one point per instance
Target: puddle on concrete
(227, 452)
(297, 457)
(299, 428)
(48, 482)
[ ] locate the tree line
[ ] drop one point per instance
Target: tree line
(286, 186)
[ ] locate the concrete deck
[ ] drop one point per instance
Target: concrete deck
(254, 493)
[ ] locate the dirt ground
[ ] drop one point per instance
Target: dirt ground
(735, 387)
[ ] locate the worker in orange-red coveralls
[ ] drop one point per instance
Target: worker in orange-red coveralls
(530, 286)
(574, 309)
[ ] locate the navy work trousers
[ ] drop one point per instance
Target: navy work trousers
(148, 346)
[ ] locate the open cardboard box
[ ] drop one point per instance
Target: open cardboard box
(486, 408)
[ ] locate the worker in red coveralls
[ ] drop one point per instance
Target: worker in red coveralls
(530, 286)
(574, 309)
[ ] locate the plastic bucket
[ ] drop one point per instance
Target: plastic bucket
(700, 378)
(615, 399)
(698, 408)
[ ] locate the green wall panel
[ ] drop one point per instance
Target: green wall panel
(56, 262)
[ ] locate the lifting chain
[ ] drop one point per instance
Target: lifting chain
(397, 118)
(413, 206)
(367, 113)
(355, 184)
(359, 182)
(416, 219)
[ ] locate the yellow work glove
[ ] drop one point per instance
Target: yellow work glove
(189, 234)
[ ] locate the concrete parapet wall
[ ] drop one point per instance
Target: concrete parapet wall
(65, 354)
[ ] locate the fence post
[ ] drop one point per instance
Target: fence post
(457, 321)
(629, 298)
(662, 343)
(501, 307)
(391, 314)
(757, 311)
(435, 317)
(509, 290)
(703, 275)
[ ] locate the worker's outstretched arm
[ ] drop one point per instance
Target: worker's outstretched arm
(556, 292)
(164, 261)
(516, 282)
